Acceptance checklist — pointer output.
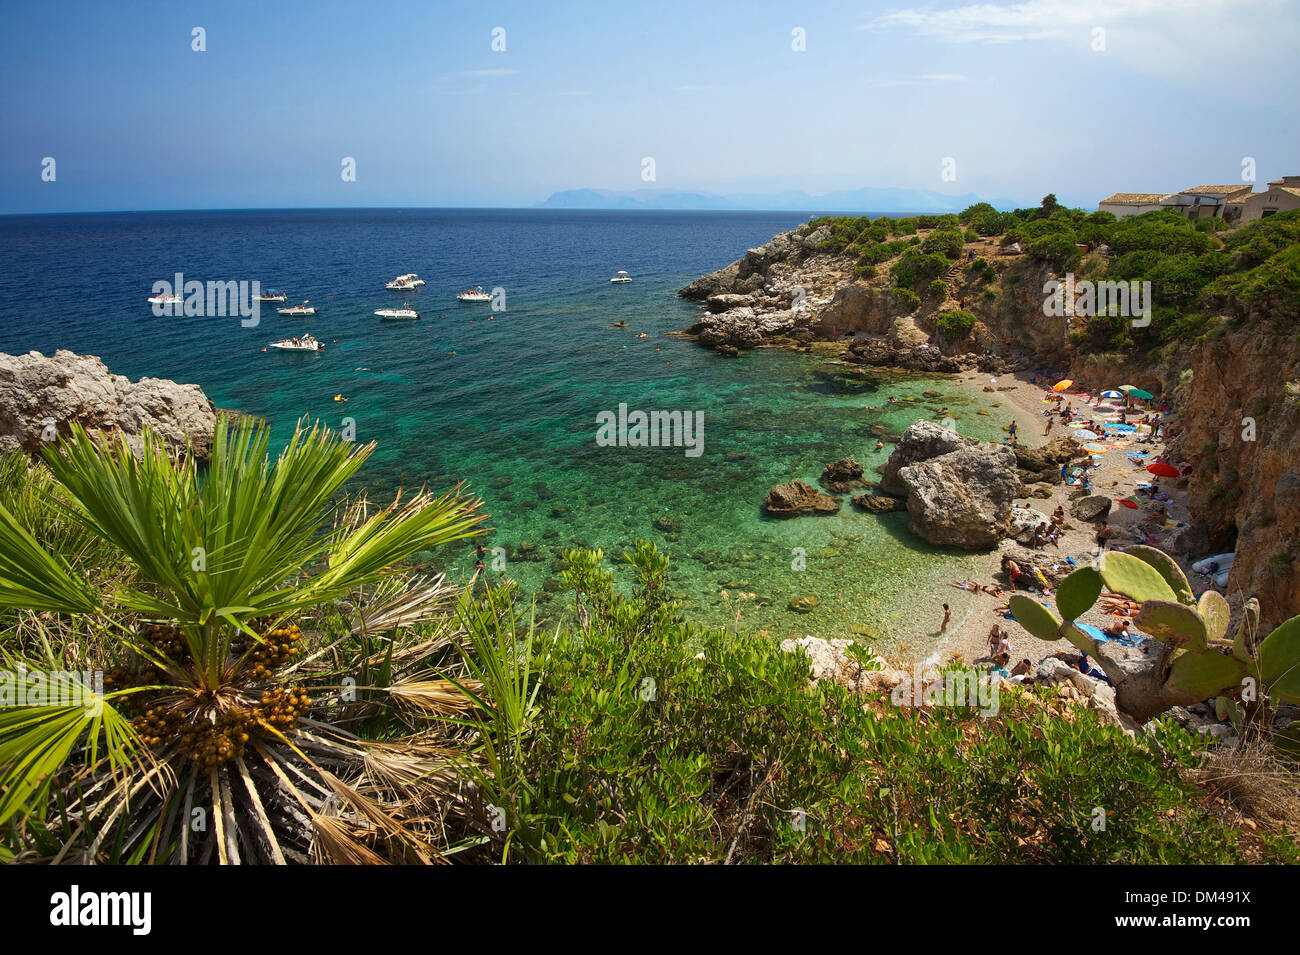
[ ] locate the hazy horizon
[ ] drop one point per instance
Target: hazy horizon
(457, 107)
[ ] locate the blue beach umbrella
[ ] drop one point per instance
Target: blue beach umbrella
(1112, 394)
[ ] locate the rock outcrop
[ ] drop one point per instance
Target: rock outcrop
(830, 660)
(1094, 507)
(843, 476)
(963, 498)
(920, 442)
(41, 398)
(795, 498)
(879, 503)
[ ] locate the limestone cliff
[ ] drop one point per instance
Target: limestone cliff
(41, 398)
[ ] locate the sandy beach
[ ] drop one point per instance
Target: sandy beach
(1116, 477)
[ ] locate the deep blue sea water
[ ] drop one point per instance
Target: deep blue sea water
(508, 400)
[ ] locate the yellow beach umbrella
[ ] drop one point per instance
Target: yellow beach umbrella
(1063, 384)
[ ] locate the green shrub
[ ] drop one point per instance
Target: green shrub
(937, 289)
(955, 324)
(654, 741)
(947, 242)
(915, 268)
(1057, 250)
(907, 298)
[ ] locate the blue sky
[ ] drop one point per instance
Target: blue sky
(1015, 93)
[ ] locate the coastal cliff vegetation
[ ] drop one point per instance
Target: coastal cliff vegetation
(281, 688)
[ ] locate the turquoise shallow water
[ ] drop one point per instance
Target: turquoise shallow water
(510, 404)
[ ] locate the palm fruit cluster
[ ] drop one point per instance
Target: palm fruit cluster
(281, 706)
(206, 741)
(166, 640)
(276, 647)
(211, 738)
(1199, 661)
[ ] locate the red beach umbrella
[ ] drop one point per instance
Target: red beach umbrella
(1160, 469)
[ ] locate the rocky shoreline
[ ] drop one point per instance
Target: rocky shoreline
(794, 292)
(42, 398)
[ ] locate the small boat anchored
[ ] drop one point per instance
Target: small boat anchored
(475, 295)
(396, 314)
(297, 309)
(271, 295)
(405, 282)
(305, 343)
(167, 299)
(621, 277)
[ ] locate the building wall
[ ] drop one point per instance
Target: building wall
(1267, 203)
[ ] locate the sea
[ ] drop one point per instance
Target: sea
(510, 400)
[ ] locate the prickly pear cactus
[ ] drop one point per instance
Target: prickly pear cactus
(1196, 662)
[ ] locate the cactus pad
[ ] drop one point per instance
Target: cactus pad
(1203, 675)
(1279, 661)
(1134, 578)
(1035, 618)
(1215, 612)
(1173, 624)
(1167, 567)
(1078, 592)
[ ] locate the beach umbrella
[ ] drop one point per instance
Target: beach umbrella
(1063, 384)
(1112, 394)
(1127, 388)
(1086, 434)
(1160, 469)
(1139, 393)
(1095, 448)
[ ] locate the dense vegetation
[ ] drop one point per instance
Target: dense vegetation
(307, 700)
(1202, 273)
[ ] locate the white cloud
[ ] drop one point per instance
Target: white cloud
(1043, 19)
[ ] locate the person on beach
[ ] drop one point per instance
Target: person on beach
(947, 615)
(1011, 430)
(1103, 535)
(1039, 537)
(1022, 668)
(1004, 645)
(995, 634)
(879, 444)
(1013, 572)
(1058, 515)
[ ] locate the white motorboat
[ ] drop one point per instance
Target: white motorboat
(475, 295)
(395, 314)
(302, 309)
(305, 343)
(166, 300)
(405, 282)
(621, 277)
(271, 295)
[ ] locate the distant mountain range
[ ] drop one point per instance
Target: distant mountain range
(845, 200)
